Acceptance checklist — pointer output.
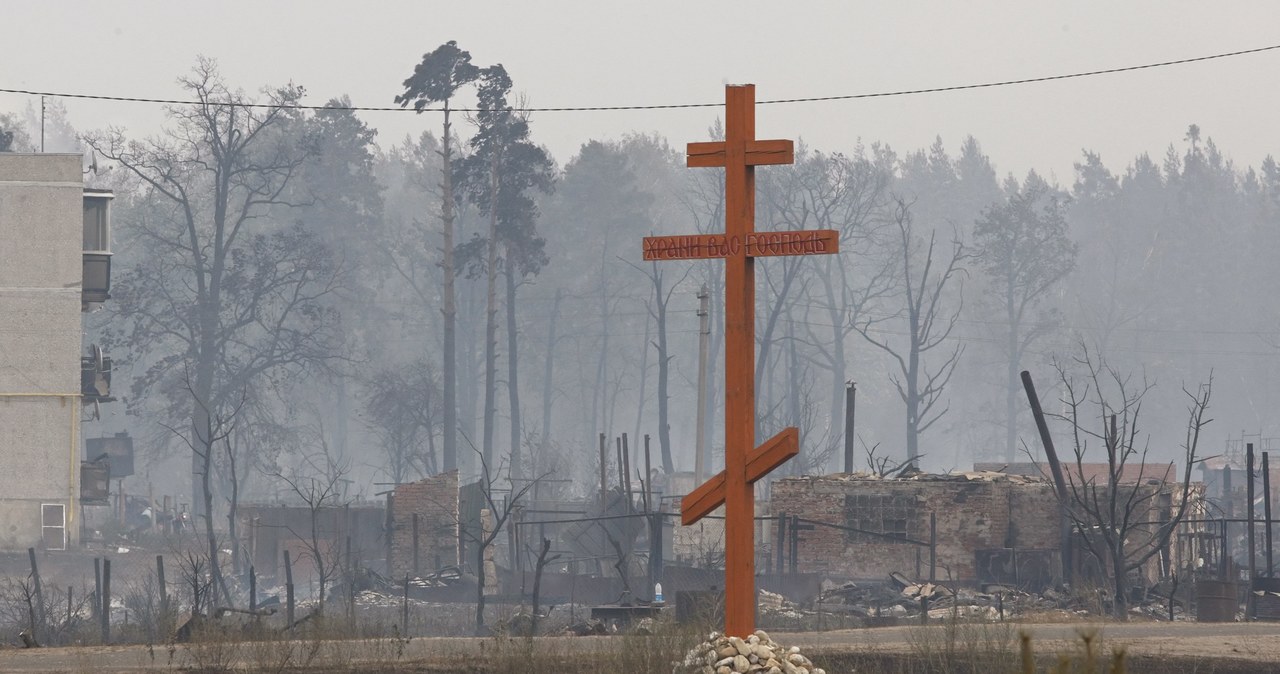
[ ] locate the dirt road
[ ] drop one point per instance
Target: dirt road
(1254, 642)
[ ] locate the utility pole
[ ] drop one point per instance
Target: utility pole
(704, 336)
(850, 398)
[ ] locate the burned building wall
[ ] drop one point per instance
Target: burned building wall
(435, 501)
(271, 529)
(872, 521)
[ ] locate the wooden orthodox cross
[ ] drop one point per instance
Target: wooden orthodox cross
(744, 463)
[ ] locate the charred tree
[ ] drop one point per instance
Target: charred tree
(923, 274)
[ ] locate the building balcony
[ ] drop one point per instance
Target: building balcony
(96, 284)
(96, 287)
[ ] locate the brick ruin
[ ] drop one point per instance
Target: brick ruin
(990, 527)
(435, 502)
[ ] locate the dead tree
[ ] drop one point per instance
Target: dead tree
(1122, 516)
(923, 273)
(543, 560)
(218, 425)
(320, 490)
(500, 513)
(223, 285)
(192, 566)
(657, 309)
(403, 409)
(844, 193)
(882, 465)
(1025, 250)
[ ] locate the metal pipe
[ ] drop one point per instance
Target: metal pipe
(69, 519)
(704, 332)
(850, 399)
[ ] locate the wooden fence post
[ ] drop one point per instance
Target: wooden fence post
(288, 589)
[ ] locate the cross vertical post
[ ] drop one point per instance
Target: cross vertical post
(739, 153)
(740, 344)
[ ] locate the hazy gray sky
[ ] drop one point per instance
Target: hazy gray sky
(581, 52)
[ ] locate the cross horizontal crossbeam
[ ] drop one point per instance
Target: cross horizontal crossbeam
(758, 244)
(760, 461)
(759, 153)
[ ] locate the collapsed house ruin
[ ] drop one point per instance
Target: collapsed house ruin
(966, 527)
(978, 528)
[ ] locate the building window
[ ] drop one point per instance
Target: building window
(879, 514)
(53, 526)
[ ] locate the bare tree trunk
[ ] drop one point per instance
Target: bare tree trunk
(433, 463)
(322, 570)
(449, 306)
(597, 400)
(913, 399)
(201, 422)
(548, 391)
(470, 383)
(341, 432)
(491, 319)
(664, 368)
(537, 583)
(215, 569)
(1011, 397)
(793, 391)
(644, 374)
(790, 268)
(513, 369)
(233, 506)
(837, 312)
(1120, 582)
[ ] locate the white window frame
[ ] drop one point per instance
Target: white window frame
(45, 526)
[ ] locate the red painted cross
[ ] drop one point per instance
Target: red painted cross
(739, 154)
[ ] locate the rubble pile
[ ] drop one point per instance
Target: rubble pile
(863, 601)
(449, 575)
(383, 600)
(776, 606)
(902, 598)
(720, 654)
(585, 629)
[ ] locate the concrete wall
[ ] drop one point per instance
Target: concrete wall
(972, 515)
(41, 231)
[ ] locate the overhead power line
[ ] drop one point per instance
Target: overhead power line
(671, 106)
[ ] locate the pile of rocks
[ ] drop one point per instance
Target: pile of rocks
(720, 654)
